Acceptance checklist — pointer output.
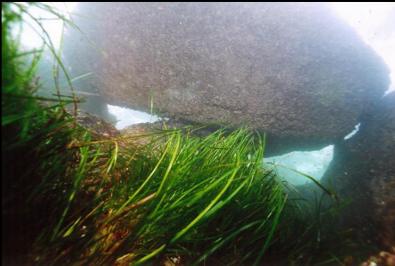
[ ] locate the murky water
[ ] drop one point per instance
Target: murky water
(319, 79)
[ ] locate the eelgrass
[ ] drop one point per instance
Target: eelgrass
(132, 199)
(193, 196)
(34, 161)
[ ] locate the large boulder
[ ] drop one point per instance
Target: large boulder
(363, 173)
(293, 70)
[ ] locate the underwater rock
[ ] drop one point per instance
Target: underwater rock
(363, 171)
(97, 126)
(293, 70)
(383, 258)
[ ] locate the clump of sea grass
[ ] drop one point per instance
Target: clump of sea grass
(34, 161)
(190, 195)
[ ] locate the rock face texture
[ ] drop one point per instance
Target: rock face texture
(293, 70)
(363, 171)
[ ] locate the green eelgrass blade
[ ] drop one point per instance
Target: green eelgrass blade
(203, 213)
(272, 230)
(77, 181)
(315, 181)
(131, 198)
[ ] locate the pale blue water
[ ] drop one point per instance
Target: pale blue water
(313, 163)
(352, 133)
(127, 117)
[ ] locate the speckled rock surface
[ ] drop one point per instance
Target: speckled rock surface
(363, 171)
(291, 69)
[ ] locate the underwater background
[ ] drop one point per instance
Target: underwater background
(198, 133)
